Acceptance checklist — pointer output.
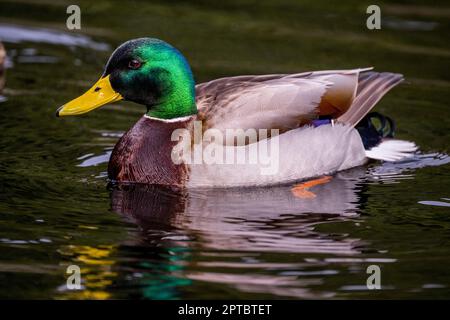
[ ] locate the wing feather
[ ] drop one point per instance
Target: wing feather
(288, 101)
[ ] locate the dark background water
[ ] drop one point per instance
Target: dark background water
(142, 242)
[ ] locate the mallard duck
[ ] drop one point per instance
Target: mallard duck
(320, 118)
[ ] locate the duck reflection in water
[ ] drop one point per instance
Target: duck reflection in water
(262, 219)
(239, 229)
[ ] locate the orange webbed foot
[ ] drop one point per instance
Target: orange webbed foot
(301, 190)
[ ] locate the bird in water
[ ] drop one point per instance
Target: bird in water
(321, 120)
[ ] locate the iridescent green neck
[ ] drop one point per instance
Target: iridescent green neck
(179, 102)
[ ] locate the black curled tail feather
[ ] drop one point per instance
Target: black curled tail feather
(375, 127)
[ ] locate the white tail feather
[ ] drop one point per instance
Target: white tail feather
(392, 150)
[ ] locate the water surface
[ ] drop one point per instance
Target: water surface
(57, 208)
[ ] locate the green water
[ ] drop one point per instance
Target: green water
(56, 208)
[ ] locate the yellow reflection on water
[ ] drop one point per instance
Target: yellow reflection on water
(96, 270)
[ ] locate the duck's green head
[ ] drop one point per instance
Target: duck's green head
(146, 71)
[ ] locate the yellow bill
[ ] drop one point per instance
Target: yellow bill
(100, 94)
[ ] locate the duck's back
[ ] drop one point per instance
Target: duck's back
(288, 101)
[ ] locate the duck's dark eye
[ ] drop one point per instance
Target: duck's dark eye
(134, 64)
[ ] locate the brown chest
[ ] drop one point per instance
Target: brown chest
(143, 154)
